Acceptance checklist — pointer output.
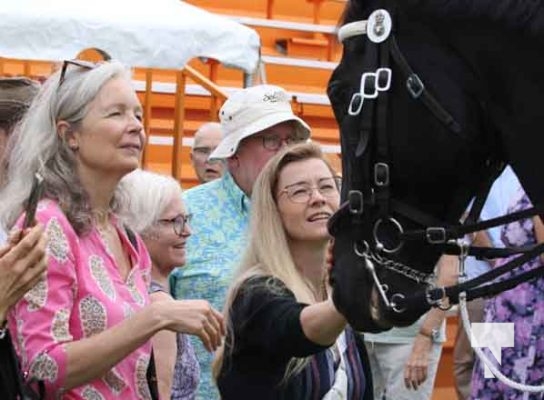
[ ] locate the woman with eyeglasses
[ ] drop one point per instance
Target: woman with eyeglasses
(157, 213)
(285, 339)
(83, 330)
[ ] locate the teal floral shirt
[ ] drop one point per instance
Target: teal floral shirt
(220, 219)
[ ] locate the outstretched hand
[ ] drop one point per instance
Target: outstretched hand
(416, 369)
(22, 264)
(199, 318)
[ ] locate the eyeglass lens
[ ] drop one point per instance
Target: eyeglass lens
(303, 193)
(179, 223)
(273, 142)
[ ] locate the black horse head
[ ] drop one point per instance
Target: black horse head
(426, 112)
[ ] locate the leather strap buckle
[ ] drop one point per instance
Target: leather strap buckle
(436, 235)
(355, 202)
(415, 86)
(381, 174)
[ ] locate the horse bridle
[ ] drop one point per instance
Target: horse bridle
(374, 87)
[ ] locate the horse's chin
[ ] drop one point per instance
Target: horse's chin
(387, 318)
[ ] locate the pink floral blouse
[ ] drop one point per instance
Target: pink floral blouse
(81, 295)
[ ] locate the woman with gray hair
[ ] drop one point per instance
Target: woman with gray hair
(84, 329)
(157, 213)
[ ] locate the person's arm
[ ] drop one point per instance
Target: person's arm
(42, 319)
(415, 371)
(273, 320)
(539, 232)
(164, 342)
(322, 323)
(482, 239)
(92, 357)
(22, 264)
(72, 363)
(165, 351)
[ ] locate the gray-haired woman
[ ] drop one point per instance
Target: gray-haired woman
(84, 329)
(157, 213)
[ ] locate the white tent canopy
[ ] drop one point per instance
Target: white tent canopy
(149, 34)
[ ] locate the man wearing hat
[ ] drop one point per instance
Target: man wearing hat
(256, 123)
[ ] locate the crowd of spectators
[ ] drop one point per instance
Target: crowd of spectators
(124, 286)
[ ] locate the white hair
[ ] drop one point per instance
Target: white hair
(36, 145)
(146, 194)
(203, 129)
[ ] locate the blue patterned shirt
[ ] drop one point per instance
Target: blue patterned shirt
(220, 218)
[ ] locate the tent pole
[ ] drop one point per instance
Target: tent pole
(213, 98)
(147, 113)
(179, 115)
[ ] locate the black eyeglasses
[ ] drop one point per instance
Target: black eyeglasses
(303, 192)
(178, 222)
(78, 63)
(274, 142)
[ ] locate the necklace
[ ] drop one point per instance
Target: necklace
(102, 222)
(101, 219)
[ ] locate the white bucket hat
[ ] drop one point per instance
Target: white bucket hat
(252, 110)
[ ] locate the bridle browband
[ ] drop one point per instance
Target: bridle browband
(367, 113)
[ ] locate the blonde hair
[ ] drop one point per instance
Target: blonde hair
(268, 253)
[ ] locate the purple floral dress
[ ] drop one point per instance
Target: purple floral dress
(524, 306)
(187, 369)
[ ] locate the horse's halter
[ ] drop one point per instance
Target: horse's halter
(373, 88)
(370, 100)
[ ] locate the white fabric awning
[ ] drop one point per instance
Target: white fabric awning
(151, 33)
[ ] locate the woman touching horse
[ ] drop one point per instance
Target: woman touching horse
(285, 339)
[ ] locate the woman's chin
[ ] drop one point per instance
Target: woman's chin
(179, 261)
